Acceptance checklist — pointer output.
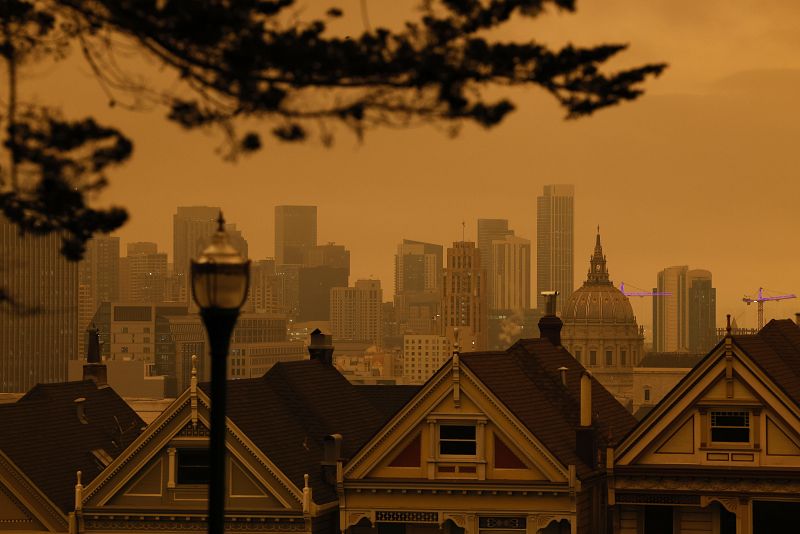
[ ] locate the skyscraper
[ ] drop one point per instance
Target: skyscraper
(98, 275)
(464, 298)
(555, 242)
(684, 321)
(35, 347)
(192, 227)
(356, 312)
(143, 274)
(510, 274)
(490, 230)
(417, 286)
(295, 233)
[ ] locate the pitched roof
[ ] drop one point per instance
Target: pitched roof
(526, 380)
(288, 411)
(388, 399)
(43, 435)
(776, 349)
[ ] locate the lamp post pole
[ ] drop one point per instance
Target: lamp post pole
(219, 324)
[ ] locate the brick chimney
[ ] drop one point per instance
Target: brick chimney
(321, 347)
(94, 369)
(549, 324)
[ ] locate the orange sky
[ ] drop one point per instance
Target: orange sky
(701, 171)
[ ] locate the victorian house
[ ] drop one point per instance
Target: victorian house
(721, 452)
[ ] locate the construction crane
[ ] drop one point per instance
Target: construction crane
(643, 293)
(761, 299)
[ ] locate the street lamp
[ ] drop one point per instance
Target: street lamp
(220, 279)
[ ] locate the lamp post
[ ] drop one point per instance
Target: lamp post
(220, 279)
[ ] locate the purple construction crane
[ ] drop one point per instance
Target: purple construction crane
(643, 293)
(761, 299)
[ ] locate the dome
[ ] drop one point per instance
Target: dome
(597, 301)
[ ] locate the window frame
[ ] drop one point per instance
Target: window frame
(179, 451)
(730, 412)
(458, 424)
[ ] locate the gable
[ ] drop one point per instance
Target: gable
(725, 412)
(22, 505)
(454, 429)
(152, 471)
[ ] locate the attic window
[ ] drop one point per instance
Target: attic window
(193, 466)
(457, 440)
(730, 427)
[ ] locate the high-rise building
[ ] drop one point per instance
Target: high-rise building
(510, 274)
(685, 320)
(490, 230)
(356, 312)
(98, 275)
(295, 233)
(314, 291)
(702, 311)
(555, 260)
(465, 305)
(423, 355)
(417, 286)
(38, 335)
(330, 255)
(143, 274)
(192, 227)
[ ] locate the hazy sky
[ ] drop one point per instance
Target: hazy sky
(702, 171)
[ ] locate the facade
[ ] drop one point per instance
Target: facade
(417, 287)
(314, 291)
(137, 332)
(143, 274)
(295, 233)
(510, 274)
(555, 259)
(423, 355)
(98, 275)
(490, 230)
(684, 321)
(356, 312)
(35, 347)
(192, 227)
(600, 329)
(329, 255)
(465, 303)
(655, 376)
(720, 453)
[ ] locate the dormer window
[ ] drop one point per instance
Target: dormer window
(457, 440)
(730, 427)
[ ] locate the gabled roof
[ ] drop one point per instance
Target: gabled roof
(776, 350)
(44, 437)
(288, 411)
(526, 379)
(388, 399)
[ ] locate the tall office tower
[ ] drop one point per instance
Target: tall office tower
(330, 255)
(671, 312)
(417, 287)
(555, 260)
(236, 239)
(490, 230)
(465, 304)
(192, 227)
(295, 233)
(510, 274)
(98, 275)
(143, 274)
(35, 347)
(702, 311)
(356, 312)
(314, 291)
(423, 355)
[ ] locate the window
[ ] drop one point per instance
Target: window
(578, 355)
(609, 358)
(730, 427)
(623, 357)
(457, 439)
(192, 466)
(647, 394)
(592, 357)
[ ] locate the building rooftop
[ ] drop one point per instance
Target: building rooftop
(680, 360)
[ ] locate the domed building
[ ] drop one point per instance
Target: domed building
(600, 329)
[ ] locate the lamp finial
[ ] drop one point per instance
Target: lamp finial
(220, 222)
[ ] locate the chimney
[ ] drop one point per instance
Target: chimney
(80, 409)
(332, 455)
(563, 372)
(321, 347)
(549, 324)
(585, 445)
(94, 369)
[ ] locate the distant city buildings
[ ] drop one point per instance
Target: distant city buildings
(465, 303)
(192, 227)
(98, 275)
(685, 320)
(423, 355)
(555, 242)
(510, 274)
(143, 274)
(295, 233)
(417, 284)
(356, 312)
(490, 230)
(38, 337)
